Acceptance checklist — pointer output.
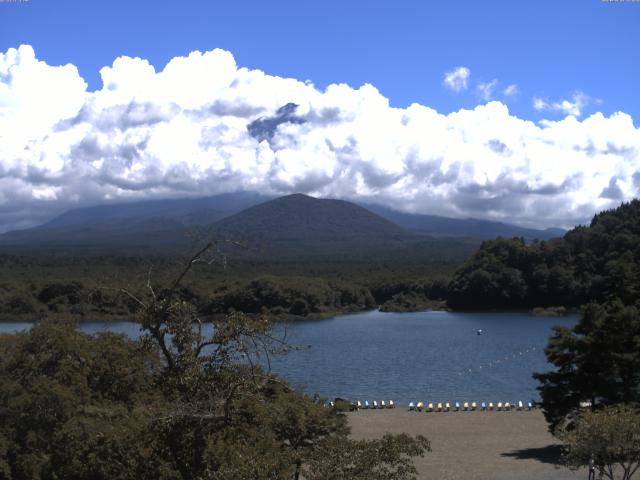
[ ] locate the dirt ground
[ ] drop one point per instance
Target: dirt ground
(473, 445)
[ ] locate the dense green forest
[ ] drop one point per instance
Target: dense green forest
(93, 288)
(595, 263)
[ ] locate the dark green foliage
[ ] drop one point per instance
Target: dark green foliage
(90, 287)
(295, 295)
(596, 263)
(608, 440)
(72, 406)
(596, 361)
(388, 458)
(179, 403)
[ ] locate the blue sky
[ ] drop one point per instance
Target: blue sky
(524, 112)
(548, 48)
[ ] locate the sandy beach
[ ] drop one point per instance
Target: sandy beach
(473, 445)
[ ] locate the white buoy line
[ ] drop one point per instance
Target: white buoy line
(499, 361)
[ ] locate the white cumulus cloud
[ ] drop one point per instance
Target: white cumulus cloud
(183, 131)
(457, 79)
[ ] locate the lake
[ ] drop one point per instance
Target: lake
(427, 356)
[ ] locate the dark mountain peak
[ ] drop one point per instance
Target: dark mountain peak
(264, 128)
(302, 217)
(288, 109)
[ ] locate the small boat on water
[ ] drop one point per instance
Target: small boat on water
(457, 407)
(430, 407)
(412, 406)
(474, 406)
(439, 407)
(520, 406)
(359, 404)
(484, 407)
(366, 404)
(420, 406)
(479, 332)
(375, 404)
(465, 406)
(383, 404)
(391, 404)
(499, 406)
(447, 407)
(490, 405)
(507, 406)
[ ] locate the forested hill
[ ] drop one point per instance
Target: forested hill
(594, 263)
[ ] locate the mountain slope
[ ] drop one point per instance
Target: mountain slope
(295, 225)
(468, 227)
(186, 211)
(300, 217)
(302, 226)
(159, 225)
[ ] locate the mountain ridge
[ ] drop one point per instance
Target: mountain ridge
(300, 224)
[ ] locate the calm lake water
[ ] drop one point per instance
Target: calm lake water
(428, 356)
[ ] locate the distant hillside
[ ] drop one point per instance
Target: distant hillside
(180, 211)
(302, 218)
(302, 226)
(468, 227)
(291, 226)
(594, 263)
(154, 226)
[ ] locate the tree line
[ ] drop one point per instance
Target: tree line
(89, 287)
(600, 263)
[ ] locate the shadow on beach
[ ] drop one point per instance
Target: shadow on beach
(550, 454)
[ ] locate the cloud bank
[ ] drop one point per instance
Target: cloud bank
(184, 131)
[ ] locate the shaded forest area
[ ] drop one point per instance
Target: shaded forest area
(598, 263)
(91, 288)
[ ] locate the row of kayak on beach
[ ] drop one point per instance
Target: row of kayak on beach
(466, 406)
(366, 405)
(437, 407)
